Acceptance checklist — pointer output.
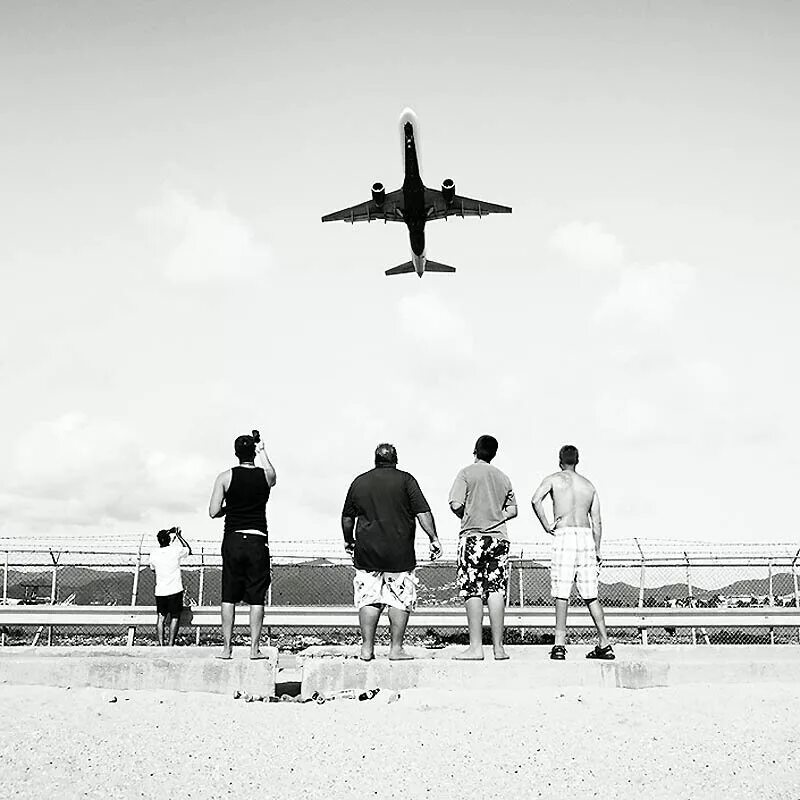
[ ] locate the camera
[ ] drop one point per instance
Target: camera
(256, 436)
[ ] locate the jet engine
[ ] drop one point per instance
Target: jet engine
(378, 194)
(448, 190)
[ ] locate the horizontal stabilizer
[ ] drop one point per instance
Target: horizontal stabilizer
(407, 267)
(434, 266)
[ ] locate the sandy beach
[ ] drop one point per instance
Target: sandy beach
(699, 741)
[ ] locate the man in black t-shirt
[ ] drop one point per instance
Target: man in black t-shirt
(240, 495)
(387, 503)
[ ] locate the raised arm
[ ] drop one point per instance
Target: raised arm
(269, 470)
(545, 488)
(179, 537)
(216, 506)
(597, 524)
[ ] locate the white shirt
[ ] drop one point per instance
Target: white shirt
(166, 561)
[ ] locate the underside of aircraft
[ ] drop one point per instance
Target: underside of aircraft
(415, 204)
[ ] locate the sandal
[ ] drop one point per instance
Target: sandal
(602, 653)
(558, 653)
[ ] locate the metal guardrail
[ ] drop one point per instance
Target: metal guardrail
(423, 617)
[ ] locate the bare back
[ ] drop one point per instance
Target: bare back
(573, 496)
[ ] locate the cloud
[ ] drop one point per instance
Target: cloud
(82, 472)
(430, 323)
(587, 243)
(209, 242)
(649, 293)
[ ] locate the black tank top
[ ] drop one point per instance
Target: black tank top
(246, 500)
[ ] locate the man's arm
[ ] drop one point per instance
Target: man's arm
(269, 470)
(510, 506)
(597, 524)
(545, 488)
(427, 523)
(348, 524)
(179, 537)
(458, 496)
(216, 508)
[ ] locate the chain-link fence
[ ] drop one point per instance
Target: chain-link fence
(632, 575)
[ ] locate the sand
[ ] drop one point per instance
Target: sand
(732, 741)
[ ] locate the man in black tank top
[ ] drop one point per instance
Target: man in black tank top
(240, 495)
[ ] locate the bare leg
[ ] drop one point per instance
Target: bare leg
(228, 615)
(174, 624)
(474, 652)
(368, 617)
(160, 629)
(596, 610)
(256, 622)
(398, 619)
(497, 613)
(561, 620)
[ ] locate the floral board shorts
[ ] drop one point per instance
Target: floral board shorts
(395, 589)
(482, 566)
(574, 559)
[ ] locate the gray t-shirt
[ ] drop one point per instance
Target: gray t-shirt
(486, 494)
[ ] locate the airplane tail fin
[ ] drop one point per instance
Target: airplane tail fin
(399, 270)
(435, 266)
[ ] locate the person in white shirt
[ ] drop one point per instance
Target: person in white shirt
(165, 561)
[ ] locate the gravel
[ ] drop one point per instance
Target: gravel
(736, 741)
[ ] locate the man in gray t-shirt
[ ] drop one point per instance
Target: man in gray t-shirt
(483, 499)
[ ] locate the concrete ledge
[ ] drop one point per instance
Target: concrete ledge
(183, 669)
(331, 669)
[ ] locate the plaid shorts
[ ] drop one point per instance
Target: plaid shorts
(574, 559)
(482, 566)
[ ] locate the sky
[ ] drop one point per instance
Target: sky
(168, 284)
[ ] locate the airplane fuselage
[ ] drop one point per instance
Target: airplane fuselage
(414, 212)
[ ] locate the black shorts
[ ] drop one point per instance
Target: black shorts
(171, 604)
(245, 568)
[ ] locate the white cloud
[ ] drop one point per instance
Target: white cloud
(587, 243)
(82, 472)
(432, 324)
(650, 293)
(212, 242)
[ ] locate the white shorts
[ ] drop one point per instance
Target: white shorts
(395, 589)
(574, 559)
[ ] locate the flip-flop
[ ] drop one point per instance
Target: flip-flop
(259, 657)
(601, 653)
(558, 653)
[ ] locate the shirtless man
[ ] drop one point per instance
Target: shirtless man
(576, 533)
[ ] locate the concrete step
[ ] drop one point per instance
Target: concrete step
(183, 669)
(331, 669)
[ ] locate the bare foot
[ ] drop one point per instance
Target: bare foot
(469, 655)
(226, 655)
(501, 655)
(367, 654)
(258, 656)
(400, 655)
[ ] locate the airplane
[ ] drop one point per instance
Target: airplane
(415, 204)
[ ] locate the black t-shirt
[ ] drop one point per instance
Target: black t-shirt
(385, 502)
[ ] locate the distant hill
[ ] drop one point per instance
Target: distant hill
(319, 582)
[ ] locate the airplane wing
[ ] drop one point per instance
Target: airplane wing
(390, 210)
(438, 208)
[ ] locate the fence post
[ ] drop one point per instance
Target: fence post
(135, 590)
(520, 581)
(691, 596)
(200, 592)
(771, 598)
(796, 591)
(5, 596)
(269, 604)
(53, 595)
(642, 631)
